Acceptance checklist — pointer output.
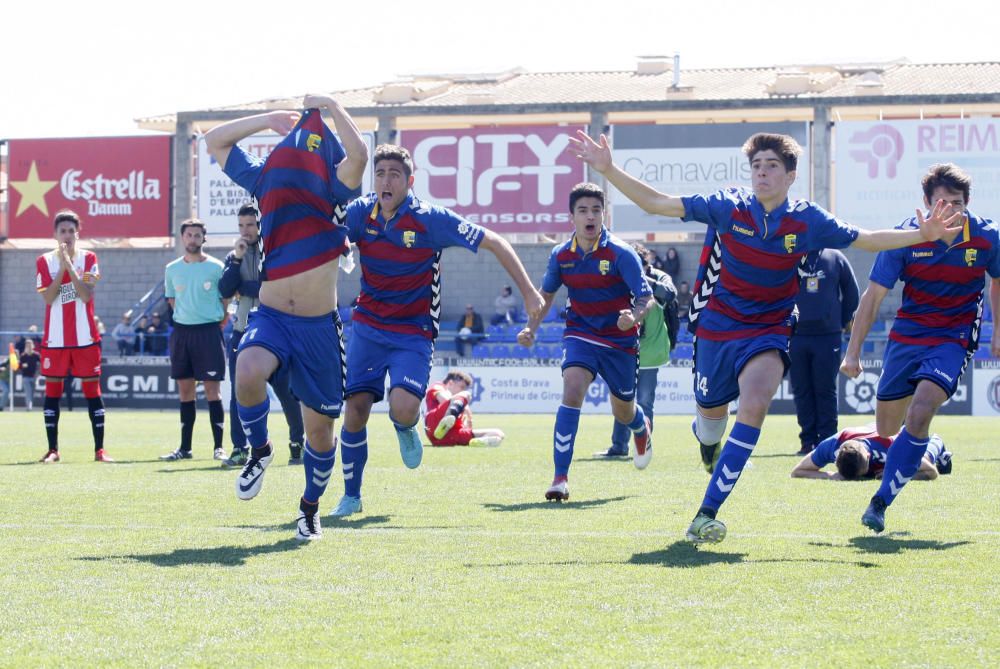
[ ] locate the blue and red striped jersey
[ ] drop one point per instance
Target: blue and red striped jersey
(825, 452)
(600, 281)
(401, 261)
(300, 198)
(759, 257)
(942, 283)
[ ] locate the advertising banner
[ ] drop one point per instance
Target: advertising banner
(509, 179)
(879, 166)
(691, 159)
(858, 395)
(985, 387)
(119, 186)
(219, 198)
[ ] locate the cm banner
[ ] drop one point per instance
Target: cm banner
(858, 395)
(143, 383)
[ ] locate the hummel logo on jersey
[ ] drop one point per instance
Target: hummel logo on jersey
(743, 231)
(923, 254)
(330, 407)
(407, 379)
(940, 373)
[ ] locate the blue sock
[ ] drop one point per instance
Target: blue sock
(901, 464)
(254, 422)
(353, 456)
(400, 427)
(319, 468)
(567, 422)
(638, 424)
(736, 452)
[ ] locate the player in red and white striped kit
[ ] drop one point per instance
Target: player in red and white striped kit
(65, 278)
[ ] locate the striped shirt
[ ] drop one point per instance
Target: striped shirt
(69, 321)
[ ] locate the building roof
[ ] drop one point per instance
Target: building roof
(651, 85)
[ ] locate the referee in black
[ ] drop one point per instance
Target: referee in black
(197, 350)
(827, 300)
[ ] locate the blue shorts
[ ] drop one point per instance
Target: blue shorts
(905, 365)
(717, 365)
(373, 353)
(310, 349)
(618, 368)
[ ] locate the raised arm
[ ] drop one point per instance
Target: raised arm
(222, 138)
(863, 319)
(931, 229)
(352, 169)
(504, 252)
(598, 156)
(526, 337)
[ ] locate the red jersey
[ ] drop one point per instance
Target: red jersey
(69, 321)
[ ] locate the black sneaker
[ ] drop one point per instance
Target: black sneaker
(294, 453)
(612, 453)
(179, 454)
(237, 458)
(944, 463)
(806, 450)
(874, 516)
(710, 455)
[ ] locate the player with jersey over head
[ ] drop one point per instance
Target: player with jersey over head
(608, 298)
(860, 453)
(66, 278)
(936, 331)
(302, 188)
(741, 343)
(400, 238)
(448, 415)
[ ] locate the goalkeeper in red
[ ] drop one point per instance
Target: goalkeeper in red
(448, 418)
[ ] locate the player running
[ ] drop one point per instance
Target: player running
(65, 278)
(741, 344)
(448, 417)
(301, 189)
(936, 331)
(608, 298)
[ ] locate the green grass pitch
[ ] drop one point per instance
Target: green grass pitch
(462, 563)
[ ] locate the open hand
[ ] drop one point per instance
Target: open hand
(282, 122)
(938, 225)
(586, 149)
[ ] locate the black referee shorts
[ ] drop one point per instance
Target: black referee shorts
(197, 352)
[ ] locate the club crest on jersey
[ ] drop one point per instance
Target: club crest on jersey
(409, 237)
(790, 243)
(207, 285)
(604, 266)
(970, 257)
(313, 141)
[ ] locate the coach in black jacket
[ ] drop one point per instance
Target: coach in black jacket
(827, 300)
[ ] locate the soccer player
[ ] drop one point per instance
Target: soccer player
(301, 189)
(197, 349)
(395, 321)
(241, 278)
(936, 331)
(608, 297)
(860, 453)
(66, 278)
(741, 345)
(448, 421)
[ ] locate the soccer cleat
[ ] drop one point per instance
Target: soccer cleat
(643, 447)
(489, 441)
(944, 463)
(101, 456)
(706, 530)
(709, 452)
(805, 450)
(874, 516)
(50, 457)
(612, 453)
(307, 527)
(410, 447)
(237, 458)
(294, 453)
(219, 454)
(252, 477)
(443, 426)
(347, 506)
(558, 491)
(177, 455)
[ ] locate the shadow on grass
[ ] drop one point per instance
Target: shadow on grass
(546, 504)
(181, 470)
(893, 543)
(984, 460)
(757, 456)
(685, 554)
(226, 556)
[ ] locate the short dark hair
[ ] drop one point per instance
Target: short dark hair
(786, 147)
(393, 152)
(585, 190)
(458, 375)
(64, 215)
(948, 175)
(193, 223)
(643, 253)
(248, 209)
(850, 461)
